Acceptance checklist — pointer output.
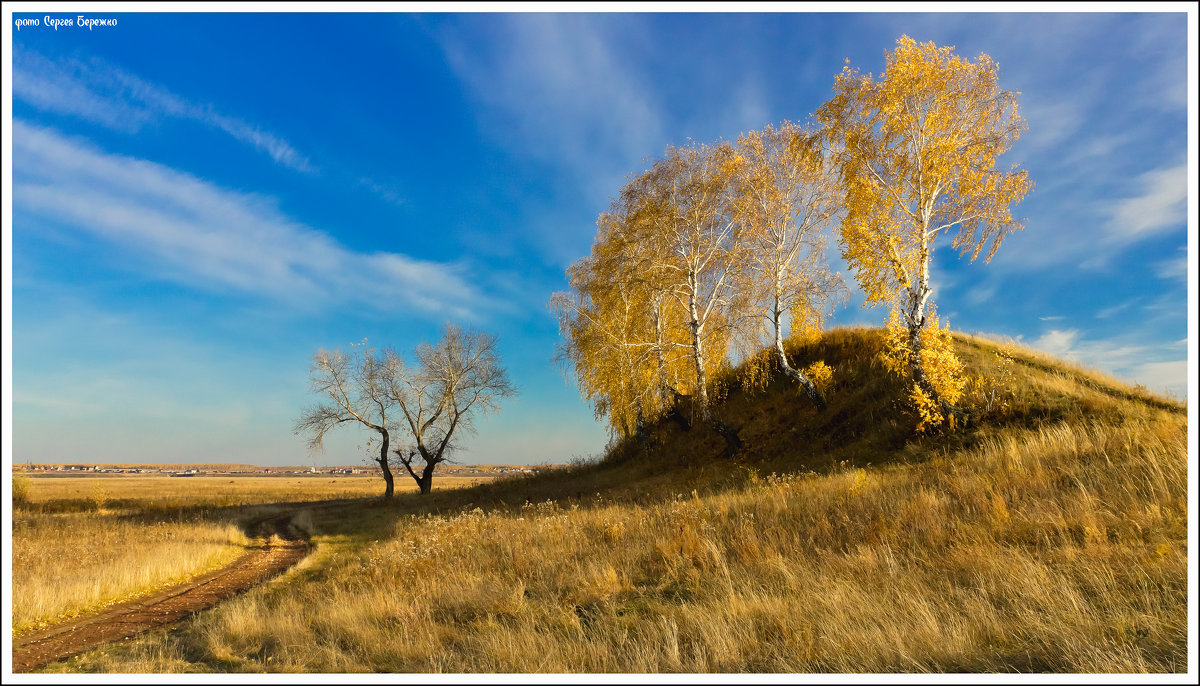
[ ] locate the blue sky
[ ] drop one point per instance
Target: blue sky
(201, 201)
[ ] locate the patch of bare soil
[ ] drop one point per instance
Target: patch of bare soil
(275, 555)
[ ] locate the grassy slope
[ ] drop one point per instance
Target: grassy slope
(1051, 537)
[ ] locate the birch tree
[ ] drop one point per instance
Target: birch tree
(917, 149)
(785, 199)
(618, 334)
(600, 322)
(355, 388)
(689, 236)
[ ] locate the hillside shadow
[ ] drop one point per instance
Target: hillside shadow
(246, 517)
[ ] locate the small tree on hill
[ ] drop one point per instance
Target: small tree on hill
(623, 339)
(700, 255)
(687, 246)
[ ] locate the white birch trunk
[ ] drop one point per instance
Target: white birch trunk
(796, 375)
(698, 347)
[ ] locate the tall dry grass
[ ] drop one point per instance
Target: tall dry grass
(1050, 538)
(83, 542)
(68, 564)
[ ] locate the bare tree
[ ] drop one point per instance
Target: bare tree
(453, 381)
(356, 385)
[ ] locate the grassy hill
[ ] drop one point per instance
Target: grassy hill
(1047, 536)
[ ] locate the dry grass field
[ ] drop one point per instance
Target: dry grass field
(66, 564)
(1047, 537)
(82, 542)
(139, 492)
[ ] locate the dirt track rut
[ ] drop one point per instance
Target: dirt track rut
(175, 604)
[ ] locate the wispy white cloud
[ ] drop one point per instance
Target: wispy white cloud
(1161, 45)
(751, 109)
(1170, 376)
(1174, 268)
(66, 89)
(1115, 309)
(1057, 342)
(384, 191)
(979, 295)
(565, 95)
(556, 87)
(280, 150)
(1051, 318)
(1052, 122)
(1091, 131)
(187, 230)
(1161, 204)
(1135, 362)
(110, 96)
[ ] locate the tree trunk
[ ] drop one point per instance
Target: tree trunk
(916, 324)
(627, 384)
(667, 392)
(918, 373)
(425, 483)
(733, 442)
(660, 358)
(810, 389)
(383, 465)
(698, 354)
(701, 382)
(916, 329)
(642, 433)
(676, 412)
(425, 480)
(917, 369)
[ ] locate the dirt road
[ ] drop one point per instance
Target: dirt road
(276, 554)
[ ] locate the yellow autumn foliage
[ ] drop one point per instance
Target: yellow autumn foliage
(713, 240)
(942, 368)
(916, 149)
(917, 153)
(821, 375)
